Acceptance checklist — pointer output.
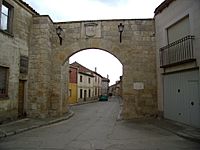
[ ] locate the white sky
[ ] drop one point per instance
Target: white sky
(105, 63)
(73, 10)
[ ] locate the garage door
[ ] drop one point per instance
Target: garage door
(181, 97)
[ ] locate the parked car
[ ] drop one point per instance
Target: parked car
(103, 98)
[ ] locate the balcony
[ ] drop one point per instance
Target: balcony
(178, 52)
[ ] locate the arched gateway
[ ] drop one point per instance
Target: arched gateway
(48, 64)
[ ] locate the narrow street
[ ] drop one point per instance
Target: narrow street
(95, 127)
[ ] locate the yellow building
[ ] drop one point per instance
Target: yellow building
(72, 93)
(73, 85)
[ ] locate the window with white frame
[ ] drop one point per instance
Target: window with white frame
(6, 17)
(81, 78)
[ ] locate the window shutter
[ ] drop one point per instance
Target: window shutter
(24, 64)
(178, 30)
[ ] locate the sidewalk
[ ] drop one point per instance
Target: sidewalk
(179, 129)
(26, 124)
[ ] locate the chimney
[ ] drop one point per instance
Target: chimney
(95, 69)
(107, 76)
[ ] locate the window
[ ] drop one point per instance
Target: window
(6, 16)
(81, 94)
(178, 30)
(24, 64)
(89, 80)
(3, 82)
(81, 78)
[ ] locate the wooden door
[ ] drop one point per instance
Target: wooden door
(21, 112)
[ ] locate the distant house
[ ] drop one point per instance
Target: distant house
(89, 83)
(177, 24)
(85, 86)
(97, 84)
(105, 86)
(115, 89)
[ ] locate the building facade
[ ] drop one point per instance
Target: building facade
(85, 86)
(177, 25)
(43, 87)
(73, 85)
(105, 86)
(115, 89)
(88, 83)
(15, 27)
(97, 84)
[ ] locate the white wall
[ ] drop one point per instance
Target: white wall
(174, 12)
(85, 85)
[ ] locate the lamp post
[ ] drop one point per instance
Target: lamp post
(59, 31)
(120, 29)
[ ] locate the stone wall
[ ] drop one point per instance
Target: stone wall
(39, 87)
(36, 37)
(11, 47)
(136, 53)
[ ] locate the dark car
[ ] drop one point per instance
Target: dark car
(103, 98)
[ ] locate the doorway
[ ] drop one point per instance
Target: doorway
(181, 97)
(85, 95)
(21, 99)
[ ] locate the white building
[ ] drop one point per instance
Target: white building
(97, 84)
(177, 24)
(85, 86)
(89, 83)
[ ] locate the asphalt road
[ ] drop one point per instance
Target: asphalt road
(95, 127)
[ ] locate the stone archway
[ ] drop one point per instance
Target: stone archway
(47, 64)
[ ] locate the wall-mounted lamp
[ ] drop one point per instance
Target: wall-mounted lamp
(59, 31)
(120, 29)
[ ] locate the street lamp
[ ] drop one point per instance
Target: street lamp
(120, 29)
(59, 31)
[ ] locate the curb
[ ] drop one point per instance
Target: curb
(182, 134)
(82, 103)
(186, 136)
(5, 134)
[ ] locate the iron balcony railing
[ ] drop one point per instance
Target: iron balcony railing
(177, 52)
